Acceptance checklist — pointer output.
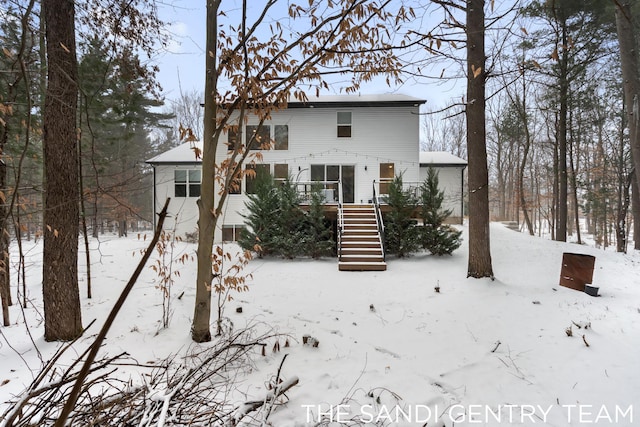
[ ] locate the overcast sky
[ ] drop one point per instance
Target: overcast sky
(182, 65)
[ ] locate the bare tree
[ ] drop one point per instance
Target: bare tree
(254, 66)
(631, 82)
(479, 245)
(61, 217)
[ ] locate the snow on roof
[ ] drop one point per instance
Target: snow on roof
(383, 98)
(183, 153)
(440, 158)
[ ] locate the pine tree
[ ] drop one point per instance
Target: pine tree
(401, 235)
(317, 235)
(438, 238)
(289, 239)
(261, 221)
(277, 225)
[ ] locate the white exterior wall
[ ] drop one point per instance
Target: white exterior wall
(378, 135)
(183, 211)
(449, 181)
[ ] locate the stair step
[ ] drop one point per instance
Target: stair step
(360, 244)
(362, 266)
(360, 247)
(361, 258)
(361, 251)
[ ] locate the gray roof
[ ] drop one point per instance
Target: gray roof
(440, 158)
(329, 101)
(182, 154)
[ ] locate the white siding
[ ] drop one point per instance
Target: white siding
(449, 181)
(379, 135)
(183, 212)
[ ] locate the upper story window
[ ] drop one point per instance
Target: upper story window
(187, 182)
(232, 138)
(344, 124)
(234, 186)
(261, 137)
(281, 137)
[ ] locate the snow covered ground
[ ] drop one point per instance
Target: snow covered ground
(392, 350)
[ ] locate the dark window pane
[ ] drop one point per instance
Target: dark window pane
(317, 172)
(387, 173)
(348, 183)
(232, 137)
(251, 178)
(181, 190)
(260, 139)
(227, 233)
(344, 131)
(194, 190)
(280, 171)
(281, 137)
(333, 173)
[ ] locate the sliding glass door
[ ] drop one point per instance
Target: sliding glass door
(343, 173)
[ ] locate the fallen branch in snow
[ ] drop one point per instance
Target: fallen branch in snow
(496, 346)
(585, 341)
(189, 389)
(586, 325)
(86, 367)
(271, 397)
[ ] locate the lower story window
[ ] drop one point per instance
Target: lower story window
(187, 182)
(231, 233)
(254, 172)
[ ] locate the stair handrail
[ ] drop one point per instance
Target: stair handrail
(340, 220)
(379, 221)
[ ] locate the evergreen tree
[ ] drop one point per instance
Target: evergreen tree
(289, 239)
(438, 238)
(401, 234)
(116, 118)
(317, 237)
(262, 219)
(277, 225)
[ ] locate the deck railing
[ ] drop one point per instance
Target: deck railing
(379, 220)
(332, 190)
(340, 221)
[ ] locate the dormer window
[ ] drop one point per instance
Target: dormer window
(344, 124)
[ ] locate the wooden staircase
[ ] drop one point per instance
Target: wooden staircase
(360, 247)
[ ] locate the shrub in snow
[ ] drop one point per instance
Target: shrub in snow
(400, 232)
(436, 237)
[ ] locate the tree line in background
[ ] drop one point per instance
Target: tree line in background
(548, 122)
(559, 135)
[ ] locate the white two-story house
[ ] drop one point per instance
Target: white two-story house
(351, 143)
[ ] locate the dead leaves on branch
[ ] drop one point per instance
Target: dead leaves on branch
(345, 37)
(228, 271)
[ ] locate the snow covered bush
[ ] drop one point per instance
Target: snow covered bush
(436, 237)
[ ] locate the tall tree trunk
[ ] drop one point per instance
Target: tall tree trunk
(561, 223)
(522, 109)
(635, 209)
(200, 330)
(631, 79)
(479, 245)
(5, 283)
(60, 256)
